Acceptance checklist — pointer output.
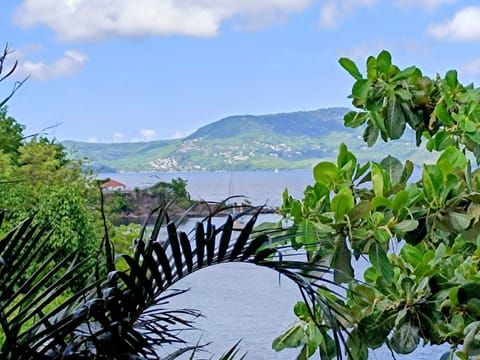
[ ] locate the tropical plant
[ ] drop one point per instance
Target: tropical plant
(125, 315)
(420, 238)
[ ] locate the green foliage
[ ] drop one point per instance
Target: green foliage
(118, 202)
(36, 176)
(440, 109)
(11, 135)
(123, 237)
(421, 238)
(174, 190)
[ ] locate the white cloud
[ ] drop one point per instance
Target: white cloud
(178, 134)
(464, 25)
(329, 14)
(471, 68)
(361, 52)
(93, 139)
(428, 4)
(103, 19)
(148, 134)
(118, 137)
(334, 11)
(70, 63)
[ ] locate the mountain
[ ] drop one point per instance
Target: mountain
(248, 142)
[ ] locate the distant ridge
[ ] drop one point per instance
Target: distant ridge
(314, 123)
(242, 142)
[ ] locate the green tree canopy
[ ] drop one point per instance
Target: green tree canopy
(11, 135)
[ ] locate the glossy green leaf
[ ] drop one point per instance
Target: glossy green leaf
(361, 210)
(342, 261)
(467, 125)
(361, 88)
(441, 141)
(357, 347)
(378, 119)
(377, 180)
(381, 202)
(342, 203)
(351, 67)
(405, 339)
(443, 115)
(370, 134)
(328, 348)
(378, 258)
(382, 236)
(411, 254)
(407, 285)
(406, 172)
(325, 173)
(384, 61)
(454, 156)
(345, 157)
(405, 73)
(364, 294)
(413, 118)
(374, 328)
(301, 311)
(371, 68)
(451, 78)
(371, 275)
(306, 235)
(292, 338)
(395, 121)
(459, 221)
(400, 201)
(404, 226)
(428, 185)
(403, 95)
(393, 168)
(354, 119)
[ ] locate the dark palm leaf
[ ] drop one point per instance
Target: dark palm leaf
(28, 304)
(131, 318)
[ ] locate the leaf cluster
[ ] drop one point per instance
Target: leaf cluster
(440, 109)
(420, 237)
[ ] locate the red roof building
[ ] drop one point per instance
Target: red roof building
(113, 185)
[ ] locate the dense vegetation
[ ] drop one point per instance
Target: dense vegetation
(278, 141)
(36, 176)
(421, 238)
(135, 205)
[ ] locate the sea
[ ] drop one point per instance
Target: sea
(241, 301)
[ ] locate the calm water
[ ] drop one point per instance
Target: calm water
(241, 301)
(262, 187)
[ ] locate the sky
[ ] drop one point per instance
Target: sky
(143, 70)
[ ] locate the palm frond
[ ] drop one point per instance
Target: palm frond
(132, 318)
(29, 298)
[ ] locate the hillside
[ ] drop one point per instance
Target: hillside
(274, 141)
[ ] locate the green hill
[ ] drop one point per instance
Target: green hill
(248, 142)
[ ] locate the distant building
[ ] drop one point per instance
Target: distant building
(113, 185)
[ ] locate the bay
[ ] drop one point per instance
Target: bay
(241, 301)
(261, 187)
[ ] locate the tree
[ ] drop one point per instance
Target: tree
(174, 190)
(37, 176)
(11, 135)
(421, 238)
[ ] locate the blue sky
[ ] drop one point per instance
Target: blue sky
(137, 70)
